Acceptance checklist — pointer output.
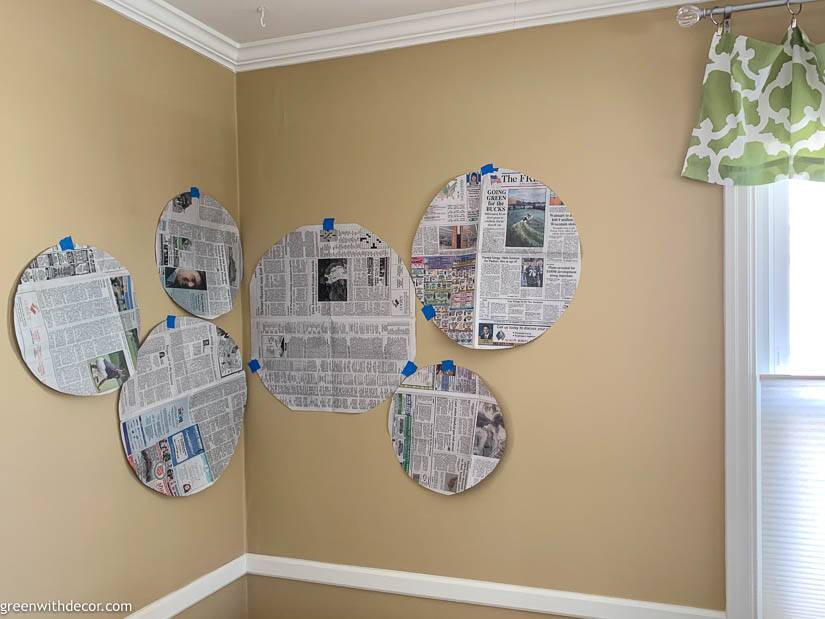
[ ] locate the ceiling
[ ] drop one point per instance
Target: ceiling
(239, 19)
(229, 31)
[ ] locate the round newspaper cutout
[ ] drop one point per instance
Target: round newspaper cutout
(495, 259)
(447, 428)
(181, 414)
(199, 254)
(332, 319)
(76, 319)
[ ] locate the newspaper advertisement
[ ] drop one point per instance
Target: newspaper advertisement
(446, 428)
(182, 412)
(497, 255)
(76, 320)
(332, 319)
(199, 255)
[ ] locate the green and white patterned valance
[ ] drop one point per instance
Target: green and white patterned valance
(762, 117)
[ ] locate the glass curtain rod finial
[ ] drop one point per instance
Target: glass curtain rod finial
(689, 15)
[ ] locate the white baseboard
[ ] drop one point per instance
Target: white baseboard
(479, 592)
(197, 590)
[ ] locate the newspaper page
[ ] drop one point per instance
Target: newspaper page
(497, 256)
(446, 428)
(182, 412)
(77, 321)
(199, 254)
(332, 319)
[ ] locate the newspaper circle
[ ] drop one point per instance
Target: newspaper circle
(181, 413)
(332, 319)
(199, 254)
(497, 258)
(76, 320)
(446, 427)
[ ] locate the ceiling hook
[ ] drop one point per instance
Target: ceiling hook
(262, 13)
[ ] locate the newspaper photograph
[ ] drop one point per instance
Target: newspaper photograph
(332, 319)
(199, 254)
(497, 255)
(181, 413)
(76, 320)
(447, 429)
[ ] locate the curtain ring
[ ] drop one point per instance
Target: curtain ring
(718, 24)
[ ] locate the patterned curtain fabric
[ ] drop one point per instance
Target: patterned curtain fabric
(762, 117)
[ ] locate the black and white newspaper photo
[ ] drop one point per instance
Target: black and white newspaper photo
(181, 414)
(447, 429)
(497, 256)
(77, 321)
(199, 254)
(332, 319)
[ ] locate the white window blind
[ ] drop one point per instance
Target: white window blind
(793, 498)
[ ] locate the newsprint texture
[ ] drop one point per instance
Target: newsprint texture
(446, 428)
(76, 320)
(182, 413)
(497, 256)
(199, 255)
(333, 319)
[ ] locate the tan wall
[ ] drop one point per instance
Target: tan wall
(613, 480)
(102, 122)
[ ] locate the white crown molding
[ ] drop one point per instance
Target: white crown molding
(477, 592)
(466, 21)
(169, 21)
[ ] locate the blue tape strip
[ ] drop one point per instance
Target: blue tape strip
(447, 365)
(428, 311)
(329, 223)
(488, 169)
(195, 192)
(409, 369)
(254, 365)
(170, 322)
(66, 243)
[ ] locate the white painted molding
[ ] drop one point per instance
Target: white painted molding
(466, 21)
(478, 592)
(744, 271)
(169, 21)
(483, 593)
(189, 595)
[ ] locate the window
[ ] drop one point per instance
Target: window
(775, 403)
(806, 278)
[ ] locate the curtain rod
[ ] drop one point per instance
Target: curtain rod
(691, 15)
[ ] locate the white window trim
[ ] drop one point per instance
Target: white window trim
(756, 272)
(742, 402)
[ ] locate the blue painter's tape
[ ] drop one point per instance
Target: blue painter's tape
(409, 369)
(170, 322)
(488, 169)
(447, 365)
(428, 311)
(329, 223)
(66, 243)
(195, 192)
(254, 365)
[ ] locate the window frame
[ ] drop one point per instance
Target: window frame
(756, 298)
(742, 343)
